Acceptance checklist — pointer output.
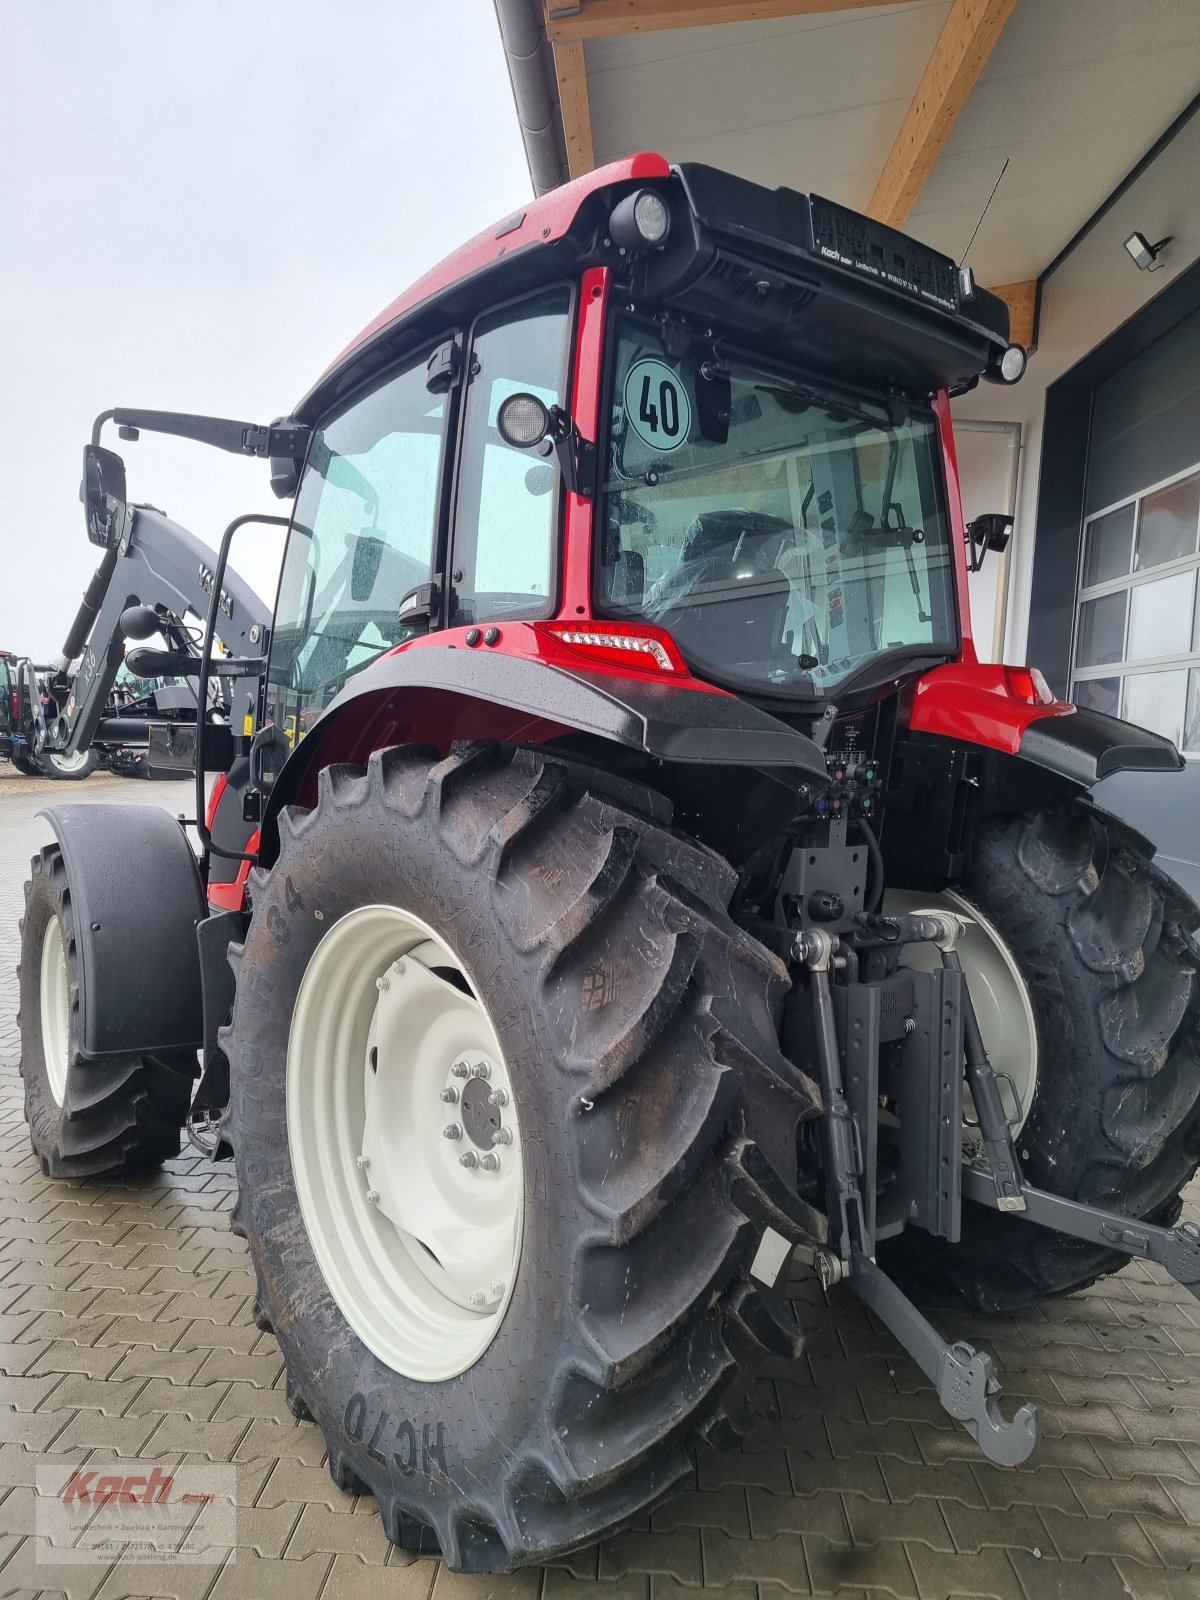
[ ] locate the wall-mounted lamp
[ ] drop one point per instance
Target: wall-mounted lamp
(1146, 256)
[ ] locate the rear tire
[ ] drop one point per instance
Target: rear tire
(630, 1011)
(1102, 938)
(87, 1119)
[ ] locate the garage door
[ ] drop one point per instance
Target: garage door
(1136, 650)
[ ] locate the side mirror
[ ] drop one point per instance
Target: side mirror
(992, 531)
(103, 494)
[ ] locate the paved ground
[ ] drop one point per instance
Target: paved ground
(125, 1331)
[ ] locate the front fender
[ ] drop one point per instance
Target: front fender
(137, 899)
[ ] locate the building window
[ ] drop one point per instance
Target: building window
(1137, 620)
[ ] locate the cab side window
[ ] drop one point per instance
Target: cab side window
(506, 518)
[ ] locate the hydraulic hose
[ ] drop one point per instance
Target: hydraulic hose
(875, 879)
(88, 608)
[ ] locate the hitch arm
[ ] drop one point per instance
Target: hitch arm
(1176, 1249)
(965, 1378)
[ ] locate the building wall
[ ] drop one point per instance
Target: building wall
(1090, 294)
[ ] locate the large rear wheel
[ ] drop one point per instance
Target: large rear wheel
(1079, 936)
(488, 1057)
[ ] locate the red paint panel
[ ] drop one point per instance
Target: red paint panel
(958, 529)
(585, 409)
(232, 896)
(541, 222)
(976, 703)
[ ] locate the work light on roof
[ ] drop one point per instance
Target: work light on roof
(641, 221)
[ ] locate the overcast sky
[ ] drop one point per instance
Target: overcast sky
(200, 204)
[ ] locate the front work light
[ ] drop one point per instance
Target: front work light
(641, 221)
(522, 421)
(1010, 366)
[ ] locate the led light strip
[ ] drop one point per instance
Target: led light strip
(619, 641)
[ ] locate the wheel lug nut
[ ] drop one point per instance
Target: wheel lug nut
(452, 1130)
(362, 1162)
(372, 1197)
(383, 982)
(501, 1135)
(450, 1095)
(490, 1162)
(468, 1159)
(496, 1290)
(398, 968)
(481, 1069)
(461, 1069)
(498, 1097)
(478, 1298)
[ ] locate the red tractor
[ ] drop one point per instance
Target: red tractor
(623, 887)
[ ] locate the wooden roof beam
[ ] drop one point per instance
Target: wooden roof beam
(960, 55)
(1021, 300)
(604, 19)
(571, 72)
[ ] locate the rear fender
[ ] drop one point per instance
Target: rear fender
(137, 900)
(440, 696)
(979, 704)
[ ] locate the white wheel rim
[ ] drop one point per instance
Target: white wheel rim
(66, 764)
(998, 994)
(56, 1009)
(418, 1248)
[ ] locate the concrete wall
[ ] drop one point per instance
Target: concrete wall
(1094, 290)
(1089, 296)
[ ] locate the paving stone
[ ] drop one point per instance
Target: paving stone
(1094, 1578)
(714, 1508)
(1100, 1497)
(351, 1579)
(253, 1577)
(771, 1514)
(766, 1469)
(319, 1529)
(678, 1554)
(834, 1568)
(1144, 1584)
(952, 1481)
(859, 1474)
(150, 1580)
(449, 1585)
(770, 1561)
(1118, 1534)
(987, 1576)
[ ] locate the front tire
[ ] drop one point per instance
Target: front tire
(1102, 939)
(68, 769)
(87, 1118)
(628, 1010)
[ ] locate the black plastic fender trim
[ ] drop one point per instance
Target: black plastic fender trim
(665, 720)
(137, 897)
(1090, 746)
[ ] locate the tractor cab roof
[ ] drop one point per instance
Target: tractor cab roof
(801, 277)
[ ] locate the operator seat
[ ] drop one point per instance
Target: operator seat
(727, 600)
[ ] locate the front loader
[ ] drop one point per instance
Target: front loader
(624, 887)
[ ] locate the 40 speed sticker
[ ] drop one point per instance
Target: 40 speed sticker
(657, 404)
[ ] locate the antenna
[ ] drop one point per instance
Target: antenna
(984, 212)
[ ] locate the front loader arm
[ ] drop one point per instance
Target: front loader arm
(160, 564)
